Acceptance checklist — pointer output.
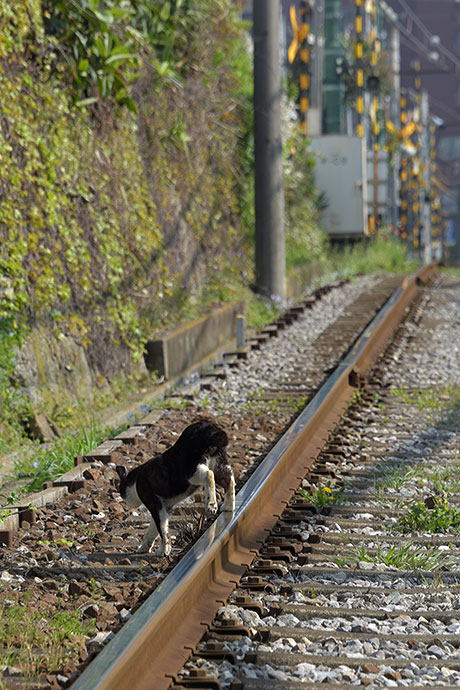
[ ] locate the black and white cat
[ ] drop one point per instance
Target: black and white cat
(198, 458)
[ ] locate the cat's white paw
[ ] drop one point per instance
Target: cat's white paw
(211, 508)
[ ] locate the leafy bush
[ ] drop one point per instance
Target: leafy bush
(105, 42)
(373, 255)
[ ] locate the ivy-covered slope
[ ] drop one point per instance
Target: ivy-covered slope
(111, 217)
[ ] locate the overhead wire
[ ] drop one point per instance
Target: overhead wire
(408, 37)
(420, 48)
(437, 45)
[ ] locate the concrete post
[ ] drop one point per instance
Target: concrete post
(240, 322)
(269, 192)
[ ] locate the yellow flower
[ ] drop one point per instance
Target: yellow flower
(327, 489)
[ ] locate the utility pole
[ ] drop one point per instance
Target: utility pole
(269, 192)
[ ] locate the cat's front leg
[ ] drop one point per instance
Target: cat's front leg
(203, 476)
(229, 500)
(210, 499)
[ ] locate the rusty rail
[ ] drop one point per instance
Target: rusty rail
(156, 642)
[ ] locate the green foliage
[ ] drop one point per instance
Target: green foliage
(24, 629)
(382, 69)
(393, 477)
(45, 462)
(442, 403)
(304, 239)
(16, 21)
(60, 241)
(408, 556)
(53, 459)
(444, 479)
(14, 407)
(374, 255)
(88, 31)
(434, 516)
(261, 311)
(92, 198)
(323, 495)
(106, 43)
(242, 89)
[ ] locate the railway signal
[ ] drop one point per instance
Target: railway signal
(299, 44)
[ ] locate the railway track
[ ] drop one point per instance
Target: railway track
(346, 590)
(108, 581)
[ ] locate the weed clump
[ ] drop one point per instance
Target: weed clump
(431, 515)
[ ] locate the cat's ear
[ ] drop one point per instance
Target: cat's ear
(121, 471)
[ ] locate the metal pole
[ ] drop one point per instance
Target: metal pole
(416, 206)
(425, 192)
(403, 176)
(375, 112)
(269, 193)
(333, 112)
(317, 62)
(395, 117)
(375, 209)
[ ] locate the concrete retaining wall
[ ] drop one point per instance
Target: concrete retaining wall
(301, 279)
(179, 349)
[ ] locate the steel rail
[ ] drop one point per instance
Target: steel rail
(156, 642)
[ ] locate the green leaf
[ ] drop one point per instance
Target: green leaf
(103, 44)
(83, 66)
(86, 101)
(105, 17)
(122, 57)
(165, 11)
(129, 103)
(163, 68)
